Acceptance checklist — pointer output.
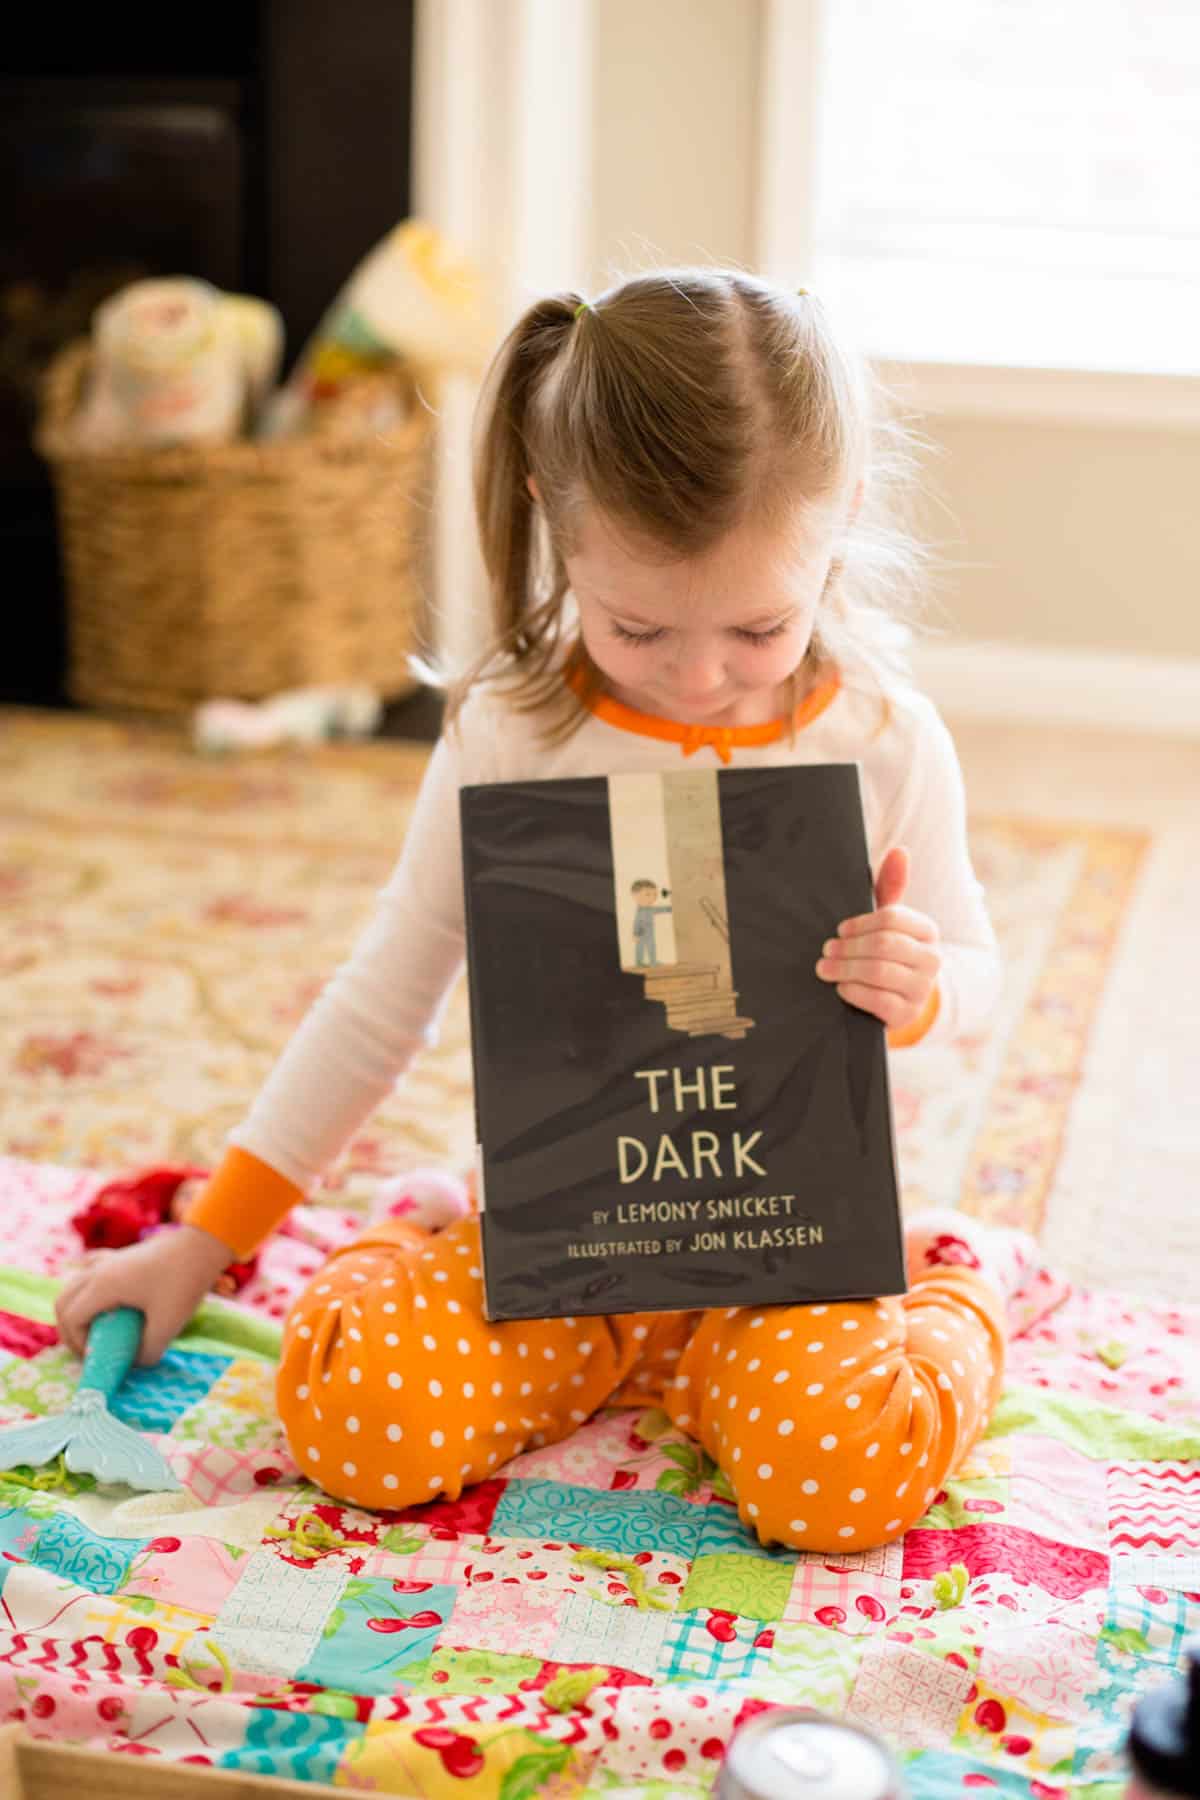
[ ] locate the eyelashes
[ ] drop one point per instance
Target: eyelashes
(652, 637)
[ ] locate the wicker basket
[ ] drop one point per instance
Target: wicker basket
(238, 570)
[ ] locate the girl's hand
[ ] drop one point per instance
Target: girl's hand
(166, 1277)
(887, 961)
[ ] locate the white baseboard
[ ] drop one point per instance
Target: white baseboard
(1109, 690)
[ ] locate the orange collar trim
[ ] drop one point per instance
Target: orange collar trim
(724, 739)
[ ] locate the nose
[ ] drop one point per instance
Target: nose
(699, 670)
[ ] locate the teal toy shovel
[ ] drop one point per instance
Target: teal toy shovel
(94, 1442)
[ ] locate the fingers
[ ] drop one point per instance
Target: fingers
(903, 919)
(855, 953)
(894, 1009)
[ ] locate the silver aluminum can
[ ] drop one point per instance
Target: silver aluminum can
(792, 1753)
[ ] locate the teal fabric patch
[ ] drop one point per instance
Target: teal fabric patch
(152, 1399)
(101, 1565)
(296, 1746)
(626, 1522)
(373, 1634)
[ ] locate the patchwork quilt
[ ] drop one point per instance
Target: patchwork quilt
(595, 1617)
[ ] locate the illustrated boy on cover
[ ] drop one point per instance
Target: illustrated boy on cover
(645, 893)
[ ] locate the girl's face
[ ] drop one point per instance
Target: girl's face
(709, 639)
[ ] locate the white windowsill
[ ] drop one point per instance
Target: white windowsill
(1100, 397)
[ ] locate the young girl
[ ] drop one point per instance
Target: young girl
(682, 495)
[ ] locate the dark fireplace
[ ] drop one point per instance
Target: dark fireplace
(263, 147)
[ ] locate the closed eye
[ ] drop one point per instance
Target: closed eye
(760, 637)
(638, 637)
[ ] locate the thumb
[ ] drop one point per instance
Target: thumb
(892, 877)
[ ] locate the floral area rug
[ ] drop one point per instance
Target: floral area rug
(165, 920)
(595, 1619)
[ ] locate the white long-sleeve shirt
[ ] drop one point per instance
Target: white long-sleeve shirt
(385, 1002)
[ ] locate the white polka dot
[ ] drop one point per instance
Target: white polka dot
(809, 1487)
(437, 1439)
(765, 1471)
(928, 1495)
(754, 1363)
(857, 1496)
(352, 1424)
(469, 1433)
(526, 1387)
(497, 1388)
(737, 1455)
(714, 1392)
(853, 1402)
(429, 1342)
(355, 1375)
(922, 1459)
(849, 1324)
(313, 1455)
(439, 1275)
(814, 1388)
(905, 1449)
(815, 1347)
(880, 1343)
(892, 1525)
(878, 1369)
(395, 1433)
(302, 1391)
(829, 1442)
(752, 1511)
(730, 1354)
(391, 1340)
(317, 1413)
(782, 1336)
(548, 1354)
(781, 1376)
(323, 1289)
(355, 1335)
(388, 1281)
(356, 1276)
(816, 1311)
(731, 1403)
(756, 1321)
(754, 1412)
(902, 1490)
(305, 1332)
(395, 1381)
(389, 1306)
(350, 1469)
(941, 1336)
(797, 1525)
(846, 1531)
(420, 1301)
(435, 1388)
(639, 1332)
(786, 1427)
(585, 1348)
(943, 1381)
(683, 1419)
(848, 1362)
(872, 1450)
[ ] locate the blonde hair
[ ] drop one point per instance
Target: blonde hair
(680, 404)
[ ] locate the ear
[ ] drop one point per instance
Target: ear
(532, 485)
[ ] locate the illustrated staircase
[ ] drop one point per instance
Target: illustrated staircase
(694, 1002)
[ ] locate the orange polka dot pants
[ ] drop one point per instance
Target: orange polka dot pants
(835, 1425)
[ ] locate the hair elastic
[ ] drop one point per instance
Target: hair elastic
(584, 306)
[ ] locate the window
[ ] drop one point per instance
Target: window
(1011, 181)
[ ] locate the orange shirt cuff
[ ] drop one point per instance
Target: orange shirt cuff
(912, 1034)
(244, 1202)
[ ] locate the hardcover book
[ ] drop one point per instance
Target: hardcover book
(673, 1110)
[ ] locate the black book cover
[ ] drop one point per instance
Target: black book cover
(673, 1110)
